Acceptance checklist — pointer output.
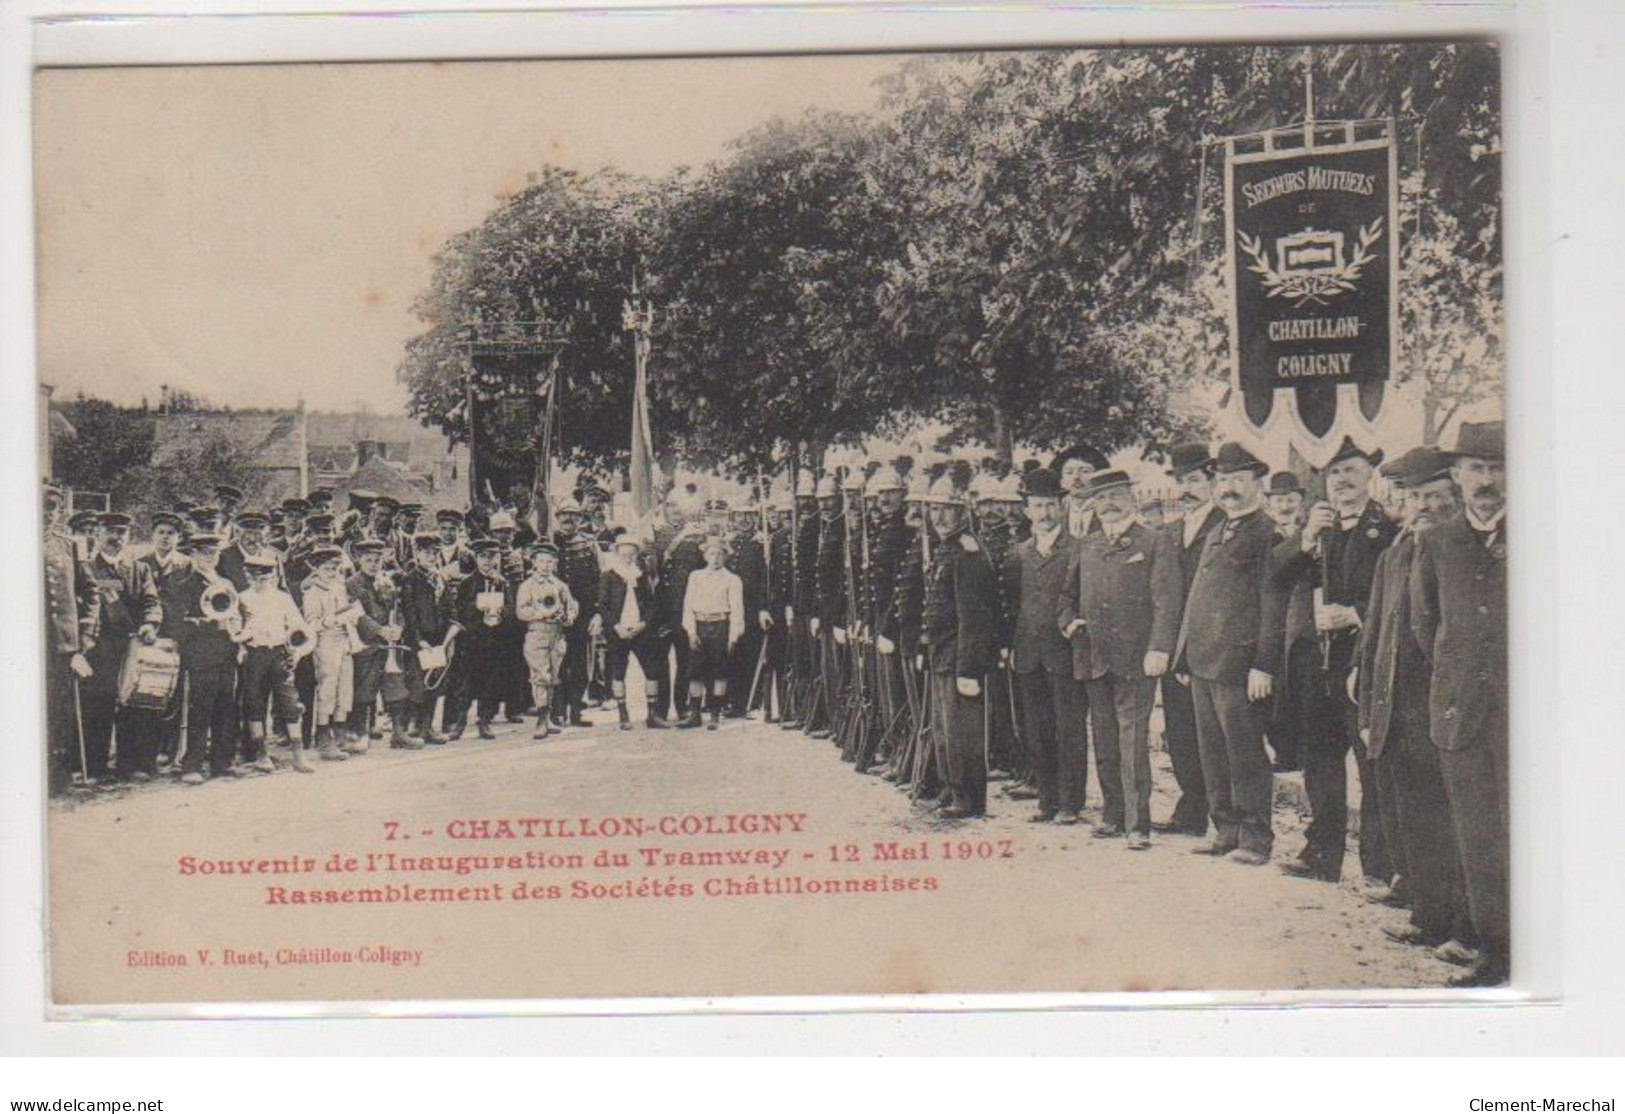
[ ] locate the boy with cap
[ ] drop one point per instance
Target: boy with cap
(331, 613)
(424, 627)
(380, 671)
(626, 610)
(275, 637)
(713, 620)
(547, 607)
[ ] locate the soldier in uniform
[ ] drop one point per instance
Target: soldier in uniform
(71, 612)
(998, 504)
(1120, 608)
(1458, 613)
(889, 542)
(403, 544)
(749, 561)
(1391, 692)
(1331, 561)
(1229, 650)
(580, 569)
(294, 510)
(829, 601)
(85, 531)
(1054, 703)
(1191, 466)
(908, 619)
(810, 712)
(484, 615)
(129, 607)
(777, 674)
(961, 611)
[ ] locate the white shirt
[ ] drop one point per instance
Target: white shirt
(269, 616)
(1485, 525)
(714, 592)
(1193, 522)
(631, 574)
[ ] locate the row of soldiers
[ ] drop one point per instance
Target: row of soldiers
(942, 624)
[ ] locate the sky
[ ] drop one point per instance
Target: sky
(257, 234)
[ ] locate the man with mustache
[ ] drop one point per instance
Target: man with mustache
(129, 608)
(1075, 466)
(1458, 614)
(1229, 651)
(1391, 690)
(1330, 563)
(1191, 467)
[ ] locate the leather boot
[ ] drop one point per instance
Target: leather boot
(656, 723)
(398, 738)
(544, 726)
(625, 717)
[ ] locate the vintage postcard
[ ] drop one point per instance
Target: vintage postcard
(912, 524)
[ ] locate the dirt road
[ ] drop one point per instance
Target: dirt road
(689, 863)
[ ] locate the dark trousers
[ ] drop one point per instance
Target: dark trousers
(1120, 713)
(211, 718)
(1002, 750)
(957, 727)
(61, 722)
(490, 680)
(517, 696)
(1185, 752)
(1328, 727)
(776, 676)
(572, 686)
(1240, 783)
(1475, 783)
(677, 670)
(746, 653)
(619, 653)
(459, 689)
(1054, 714)
(1413, 790)
(98, 695)
(304, 684)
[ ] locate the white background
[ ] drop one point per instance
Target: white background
(1563, 189)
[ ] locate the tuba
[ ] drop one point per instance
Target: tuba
(219, 605)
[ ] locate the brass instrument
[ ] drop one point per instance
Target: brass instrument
(219, 605)
(392, 664)
(300, 643)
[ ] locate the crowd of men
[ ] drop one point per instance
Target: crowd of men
(944, 625)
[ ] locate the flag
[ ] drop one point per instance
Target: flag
(643, 456)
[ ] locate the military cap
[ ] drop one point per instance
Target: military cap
(425, 539)
(295, 505)
(1285, 483)
(1233, 458)
(388, 502)
(322, 554)
(362, 500)
(826, 488)
(167, 518)
(80, 520)
(1348, 450)
(1483, 440)
(1191, 456)
(543, 549)
(204, 514)
(320, 495)
(260, 563)
(367, 545)
(275, 516)
(320, 520)
(1041, 483)
(228, 493)
(1416, 467)
(200, 541)
(1105, 481)
(252, 520)
(409, 509)
(486, 545)
(113, 520)
(451, 517)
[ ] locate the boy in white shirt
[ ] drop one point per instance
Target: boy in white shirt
(274, 637)
(713, 620)
(544, 604)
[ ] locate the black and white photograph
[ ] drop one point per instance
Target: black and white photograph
(976, 522)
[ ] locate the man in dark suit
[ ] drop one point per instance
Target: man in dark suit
(829, 601)
(423, 601)
(1230, 649)
(485, 617)
(581, 570)
(1191, 466)
(1333, 559)
(1391, 691)
(1120, 608)
(1458, 612)
(1053, 702)
(129, 608)
(961, 606)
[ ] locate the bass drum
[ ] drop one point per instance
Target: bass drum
(150, 675)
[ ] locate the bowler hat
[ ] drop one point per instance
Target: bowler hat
(1090, 455)
(1486, 440)
(1285, 483)
(1233, 458)
(1041, 483)
(1348, 450)
(1188, 457)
